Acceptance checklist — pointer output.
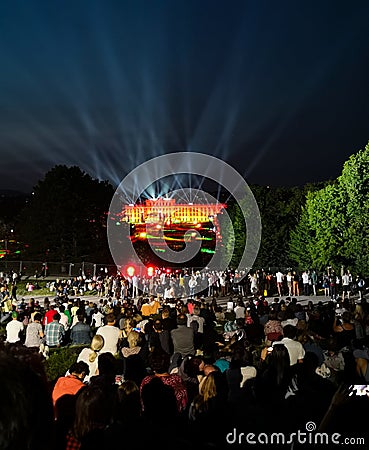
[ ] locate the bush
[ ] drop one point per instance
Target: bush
(60, 361)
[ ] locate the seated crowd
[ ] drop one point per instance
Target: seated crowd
(180, 373)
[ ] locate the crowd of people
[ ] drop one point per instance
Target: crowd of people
(181, 372)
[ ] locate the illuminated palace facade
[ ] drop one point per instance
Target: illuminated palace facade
(165, 222)
(168, 211)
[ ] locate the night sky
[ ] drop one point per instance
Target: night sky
(279, 90)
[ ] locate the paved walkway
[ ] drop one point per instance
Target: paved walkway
(222, 301)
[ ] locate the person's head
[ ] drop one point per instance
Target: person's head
(81, 317)
(346, 317)
(26, 411)
(129, 402)
(310, 363)
(97, 344)
(37, 317)
(289, 331)
(165, 313)
(158, 325)
(196, 310)
(110, 319)
(182, 319)
(133, 338)
(93, 411)
(159, 361)
(79, 369)
(212, 385)
(192, 366)
(14, 315)
(279, 361)
(107, 364)
(159, 402)
(56, 317)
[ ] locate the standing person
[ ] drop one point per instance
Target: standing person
(111, 335)
(192, 283)
(332, 286)
(305, 282)
(289, 280)
(325, 284)
(34, 333)
(6, 303)
(14, 329)
(279, 278)
(135, 291)
(314, 281)
(295, 284)
(254, 286)
(345, 286)
(360, 285)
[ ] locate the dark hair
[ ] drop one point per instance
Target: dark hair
(110, 318)
(159, 361)
(93, 411)
(37, 316)
(22, 424)
(79, 367)
(289, 331)
(56, 316)
(182, 319)
(280, 362)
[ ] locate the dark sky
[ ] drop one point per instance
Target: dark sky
(279, 90)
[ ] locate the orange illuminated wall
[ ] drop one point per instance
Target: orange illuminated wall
(167, 210)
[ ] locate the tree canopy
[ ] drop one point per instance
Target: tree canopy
(334, 224)
(65, 218)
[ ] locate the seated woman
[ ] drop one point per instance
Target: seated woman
(134, 358)
(159, 362)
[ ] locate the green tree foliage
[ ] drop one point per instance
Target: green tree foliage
(327, 221)
(334, 225)
(65, 219)
(301, 242)
(280, 210)
(354, 182)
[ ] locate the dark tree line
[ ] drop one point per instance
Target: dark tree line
(65, 217)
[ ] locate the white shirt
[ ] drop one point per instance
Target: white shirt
(240, 312)
(98, 319)
(84, 356)
(305, 278)
(345, 280)
(111, 335)
(279, 276)
(13, 329)
(295, 349)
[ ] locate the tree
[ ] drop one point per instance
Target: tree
(65, 220)
(354, 181)
(334, 226)
(301, 242)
